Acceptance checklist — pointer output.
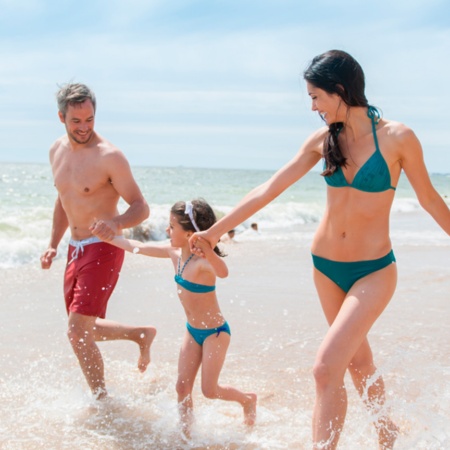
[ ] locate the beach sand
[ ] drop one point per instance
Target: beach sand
(276, 323)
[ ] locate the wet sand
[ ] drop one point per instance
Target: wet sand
(276, 322)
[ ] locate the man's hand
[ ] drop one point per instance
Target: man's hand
(105, 230)
(47, 258)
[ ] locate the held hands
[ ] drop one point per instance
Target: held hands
(105, 230)
(200, 245)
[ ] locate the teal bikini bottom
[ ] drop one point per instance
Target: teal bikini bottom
(346, 274)
(200, 334)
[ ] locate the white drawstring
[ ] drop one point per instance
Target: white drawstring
(79, 246)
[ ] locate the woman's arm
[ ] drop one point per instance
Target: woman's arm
(414, 167)
(304, 161)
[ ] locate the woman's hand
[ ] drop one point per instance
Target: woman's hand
(198, 241)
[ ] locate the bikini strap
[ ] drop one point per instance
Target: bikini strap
(184, 265)
(375, 116)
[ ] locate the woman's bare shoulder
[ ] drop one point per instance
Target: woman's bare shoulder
(397, 130)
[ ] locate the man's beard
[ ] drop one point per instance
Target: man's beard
(82, 140)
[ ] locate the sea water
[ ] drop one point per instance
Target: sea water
(276, 322)
(27, 197)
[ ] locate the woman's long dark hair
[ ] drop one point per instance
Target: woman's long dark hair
(337, 72)
(203, 215)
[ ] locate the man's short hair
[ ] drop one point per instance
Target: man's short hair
(72, 94)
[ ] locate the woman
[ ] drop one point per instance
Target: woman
(354, 266)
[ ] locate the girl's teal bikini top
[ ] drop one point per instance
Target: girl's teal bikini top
(374, 175)
(192, 287)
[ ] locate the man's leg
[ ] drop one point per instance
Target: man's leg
(82, 338)
(108, 330)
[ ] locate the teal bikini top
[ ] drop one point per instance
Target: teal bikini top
(374, 175)
(193, 287)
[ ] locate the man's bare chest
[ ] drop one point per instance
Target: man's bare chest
(86, 179)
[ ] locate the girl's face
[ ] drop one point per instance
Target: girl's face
(178, 236)
(330, 106)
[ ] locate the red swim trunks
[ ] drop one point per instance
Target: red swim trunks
(91, 274)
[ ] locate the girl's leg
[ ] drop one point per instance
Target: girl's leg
(214, 353)
(350, 318)
(188, 364)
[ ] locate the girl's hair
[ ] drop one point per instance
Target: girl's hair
(337, 72)
(202, 214)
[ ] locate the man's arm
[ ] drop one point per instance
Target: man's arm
(125, 185)
(59, 227)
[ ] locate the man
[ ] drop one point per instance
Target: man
(91, 175)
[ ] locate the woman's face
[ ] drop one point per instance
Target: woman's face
(329, 106)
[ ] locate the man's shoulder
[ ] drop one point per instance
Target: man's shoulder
(107, 148)
(58, 144)
(62, 140)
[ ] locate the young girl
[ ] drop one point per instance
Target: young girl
(207, 335)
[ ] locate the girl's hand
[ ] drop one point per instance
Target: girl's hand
(204, 250)
(198, 242)
(203, 246)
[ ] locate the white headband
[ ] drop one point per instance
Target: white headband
(189, 211)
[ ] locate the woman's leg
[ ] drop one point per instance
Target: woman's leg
(214, 353)
(371, 389)
(350, 317)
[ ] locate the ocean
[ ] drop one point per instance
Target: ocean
(269, 300)
(27, 196)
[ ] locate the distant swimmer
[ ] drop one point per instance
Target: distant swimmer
(91, 175)
(228, 237)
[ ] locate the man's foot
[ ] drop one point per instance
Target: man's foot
(100, 394)
(146, 336)
(250, 410)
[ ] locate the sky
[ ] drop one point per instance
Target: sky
(216, 84)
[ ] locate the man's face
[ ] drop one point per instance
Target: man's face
(79, 121)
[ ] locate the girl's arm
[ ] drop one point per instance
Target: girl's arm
(217, 263)
(144, 248)
(304, 161)
(414, 166)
